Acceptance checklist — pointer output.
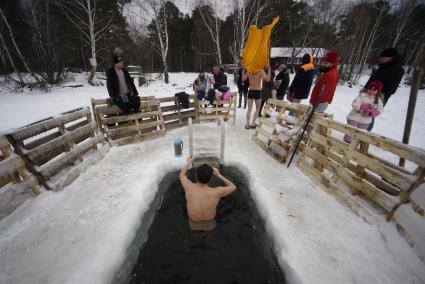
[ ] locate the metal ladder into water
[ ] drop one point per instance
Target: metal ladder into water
(221, 124)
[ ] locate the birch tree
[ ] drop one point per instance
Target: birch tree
(210, 12)
(83, 16)
(156, 10)
(246, 13)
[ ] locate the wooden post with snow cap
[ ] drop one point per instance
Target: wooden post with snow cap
(190, 137)
(417, 75)
(222, 141)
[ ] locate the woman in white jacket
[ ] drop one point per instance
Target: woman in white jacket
(365, 106)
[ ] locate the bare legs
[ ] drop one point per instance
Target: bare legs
(248, 113)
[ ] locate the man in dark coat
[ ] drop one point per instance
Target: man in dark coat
(242, 89)
(301, 85)
(282, 82)
(390, 72)
(121, 87)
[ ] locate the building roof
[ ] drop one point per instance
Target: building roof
(299, 52)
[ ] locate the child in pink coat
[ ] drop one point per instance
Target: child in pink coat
(365, 106)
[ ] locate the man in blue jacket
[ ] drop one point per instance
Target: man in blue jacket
(301, 85)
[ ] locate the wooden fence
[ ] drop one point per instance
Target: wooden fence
(220, 109)
(49, 145)
(174, 114)
(124, 128)
(360, 166)
(278, 131)
(13, 169)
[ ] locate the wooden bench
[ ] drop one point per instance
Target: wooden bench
(126, 128)
(220, 109)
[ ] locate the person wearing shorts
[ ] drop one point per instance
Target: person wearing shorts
(254, 93)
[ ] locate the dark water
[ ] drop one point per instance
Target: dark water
(238, 250)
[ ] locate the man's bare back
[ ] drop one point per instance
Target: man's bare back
(255, 78)
(201, 199)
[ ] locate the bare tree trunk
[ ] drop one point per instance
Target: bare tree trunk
(9, 56)
(18, 51)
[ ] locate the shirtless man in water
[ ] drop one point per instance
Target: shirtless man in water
(201, 199)
(254, 92)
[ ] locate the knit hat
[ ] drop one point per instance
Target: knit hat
(332, 57)
(116, 59)
(376, 85)
(389, 52)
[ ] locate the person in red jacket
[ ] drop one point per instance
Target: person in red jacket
(324, 89)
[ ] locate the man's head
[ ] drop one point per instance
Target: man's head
(118, 62)
(388, 55)
(330, 59)
(216, 69)
(204, 173)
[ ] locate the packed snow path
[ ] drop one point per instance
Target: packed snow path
(80, 235)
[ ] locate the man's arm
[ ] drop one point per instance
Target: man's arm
(229, 187)
(244, 75)
(269, 74)
(109, 85)
(183, 178)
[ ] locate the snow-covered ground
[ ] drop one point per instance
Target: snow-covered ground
(81, 234)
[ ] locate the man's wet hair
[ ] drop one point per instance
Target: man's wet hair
(204, 173)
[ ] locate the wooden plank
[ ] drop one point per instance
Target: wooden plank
(394, 177)
(67, 138)
(53, 166)
(405, 151)
(124, 118)
(377, 181)
(132, 139)
(10, 165)
(118, 131)
(35, 129)
(354, 182)
(105, 109)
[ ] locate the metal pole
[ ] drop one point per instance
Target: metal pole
(417, 74)
(190, 138)
(222, 141)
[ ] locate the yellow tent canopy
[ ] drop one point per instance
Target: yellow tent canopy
(255, 55)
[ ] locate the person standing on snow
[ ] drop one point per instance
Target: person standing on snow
(121, 87)
(390, 72)
(254, 93)
(324, 89)
(301, 85)
(365, 107)
(242, 88)
(282, 82)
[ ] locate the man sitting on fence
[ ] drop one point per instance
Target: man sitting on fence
(121, 87)
(201, 199)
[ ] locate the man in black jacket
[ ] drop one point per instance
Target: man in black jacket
(243, 87)
(282, 81)
(390, 72)
(121, 87)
